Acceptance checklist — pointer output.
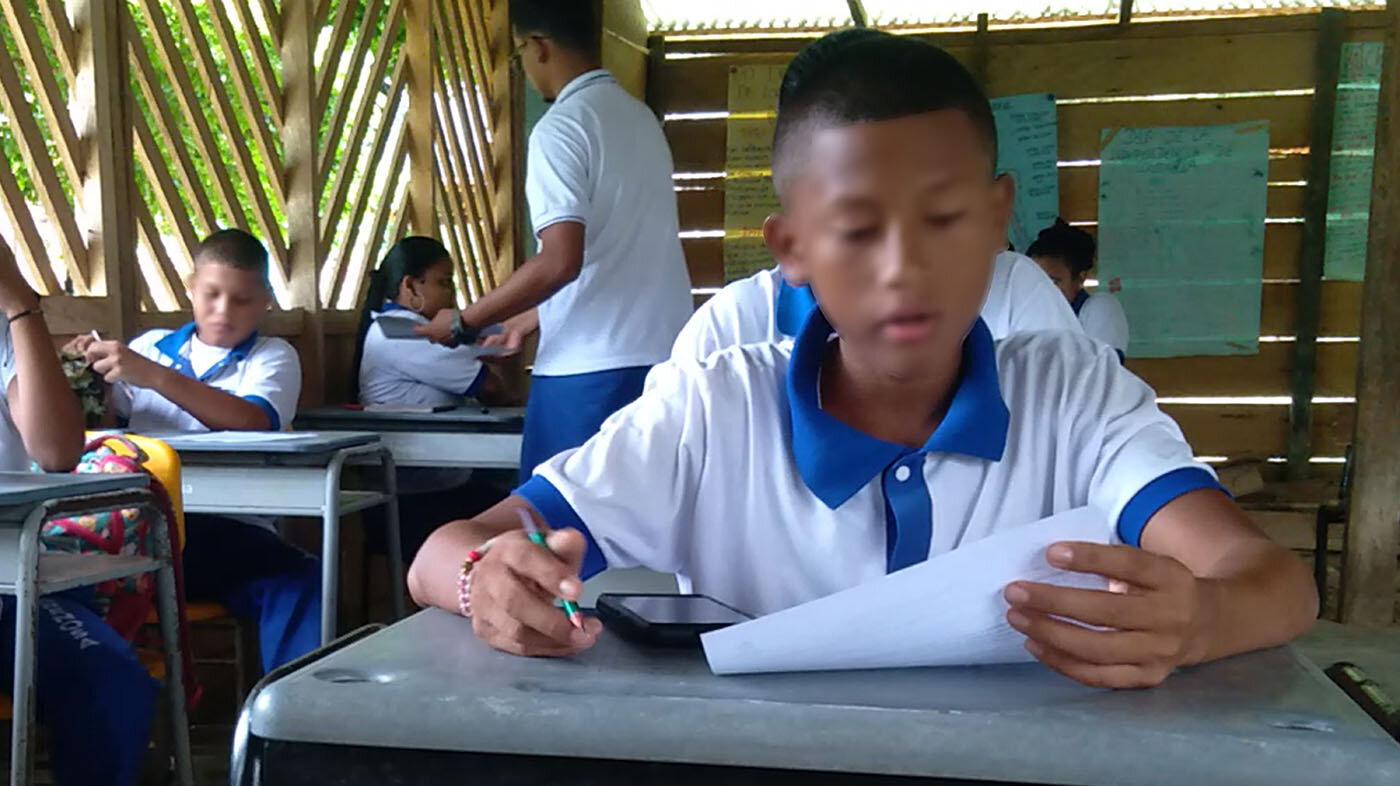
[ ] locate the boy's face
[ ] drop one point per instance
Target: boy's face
(895, 225)
(228, 303)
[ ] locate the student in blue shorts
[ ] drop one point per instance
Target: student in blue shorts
(217, 374)
(90, 690)
(893, 428)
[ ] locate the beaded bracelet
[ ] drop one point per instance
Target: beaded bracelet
(464, 579)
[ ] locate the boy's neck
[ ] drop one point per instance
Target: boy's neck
(901, 409)
(208, 343)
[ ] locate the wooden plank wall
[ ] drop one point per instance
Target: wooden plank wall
(1148, 74)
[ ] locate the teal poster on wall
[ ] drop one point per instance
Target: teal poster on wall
(1028, 150)
(1181, 235)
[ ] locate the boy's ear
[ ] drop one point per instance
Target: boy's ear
(781, 240)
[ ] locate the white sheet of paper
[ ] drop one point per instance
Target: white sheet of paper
(242, 437)
(948, 611)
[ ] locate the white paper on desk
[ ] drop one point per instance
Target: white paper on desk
(948, 611)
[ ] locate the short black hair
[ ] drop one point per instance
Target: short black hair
(573, 24)
(1072, 244)
(862, 75)
(236, 249)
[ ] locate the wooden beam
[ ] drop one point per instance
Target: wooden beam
(299, 185)
(981, 50)
(655, 93)
(1373, 534)
(422, 172)
(1327, 54)
(1125, 12)
(858, 16)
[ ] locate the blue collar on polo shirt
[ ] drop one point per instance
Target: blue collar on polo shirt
(175, 346)
(792, 307)
(390, 305)
(1079, 301)
(836, 460)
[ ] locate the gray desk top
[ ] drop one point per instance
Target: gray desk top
(263, 442)
(1268, 717)
(29, 488)
(461, 419)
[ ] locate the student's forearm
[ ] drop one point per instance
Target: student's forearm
(432, 578)
(1258, 594)
(45, 410)
(530, 285)
(217, 410)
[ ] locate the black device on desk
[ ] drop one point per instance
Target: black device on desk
(666, 620)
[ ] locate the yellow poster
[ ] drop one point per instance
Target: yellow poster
(748, 182)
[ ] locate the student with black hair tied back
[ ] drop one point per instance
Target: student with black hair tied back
(1066, 254)
(413, 284)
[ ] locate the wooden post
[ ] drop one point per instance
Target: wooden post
(299, 131)
(1373, 534)
(858, 16)
(1327, 54)
(981, 50)
(422, 169)
(100, 119)
(1125, 11)
(656, 90)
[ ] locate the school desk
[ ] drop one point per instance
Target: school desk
(424, 702)
(463, 438)
(27, 501)
(291, 473)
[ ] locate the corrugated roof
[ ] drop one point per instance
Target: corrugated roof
(751, 16)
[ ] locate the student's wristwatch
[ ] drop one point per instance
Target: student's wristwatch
(462, 333)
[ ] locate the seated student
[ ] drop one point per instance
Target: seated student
(214, 374)
(764, 308)
(411, 285)
(893, 427)
(90, 689)
(1066, 254)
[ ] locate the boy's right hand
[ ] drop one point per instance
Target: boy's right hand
(16, 295)
(513, 590)
(80, 343)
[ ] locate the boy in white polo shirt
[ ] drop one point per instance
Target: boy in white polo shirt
(217, 374)
(893, 428)
(609, 280)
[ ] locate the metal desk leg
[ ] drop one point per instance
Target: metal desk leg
(395, 541)
(330, 548)
(168, 608)
(22, 692)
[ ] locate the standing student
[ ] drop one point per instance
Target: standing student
(90, 689)
(893, 428)
(1066, 254)
(609, 280)
(410, 287)
(764, 308)
(216, 373)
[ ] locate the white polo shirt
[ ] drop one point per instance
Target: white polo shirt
(13, 456)
(598, 158)
(415, 372)
(262, 370)
(763, 308)
(1103, 319)
(730, 475)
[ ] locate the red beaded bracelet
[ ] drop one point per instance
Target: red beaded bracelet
(464, 579)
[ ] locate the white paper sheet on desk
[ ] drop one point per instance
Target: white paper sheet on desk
(241, 437)
(948, 611)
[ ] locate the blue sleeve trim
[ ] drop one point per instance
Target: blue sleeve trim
(1155, 495)
(274, 420)
(559, 514)
(475, 386)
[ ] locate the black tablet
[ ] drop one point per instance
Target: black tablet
(666, 620)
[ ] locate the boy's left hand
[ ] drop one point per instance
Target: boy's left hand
(1154, 609)
(117, 363)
